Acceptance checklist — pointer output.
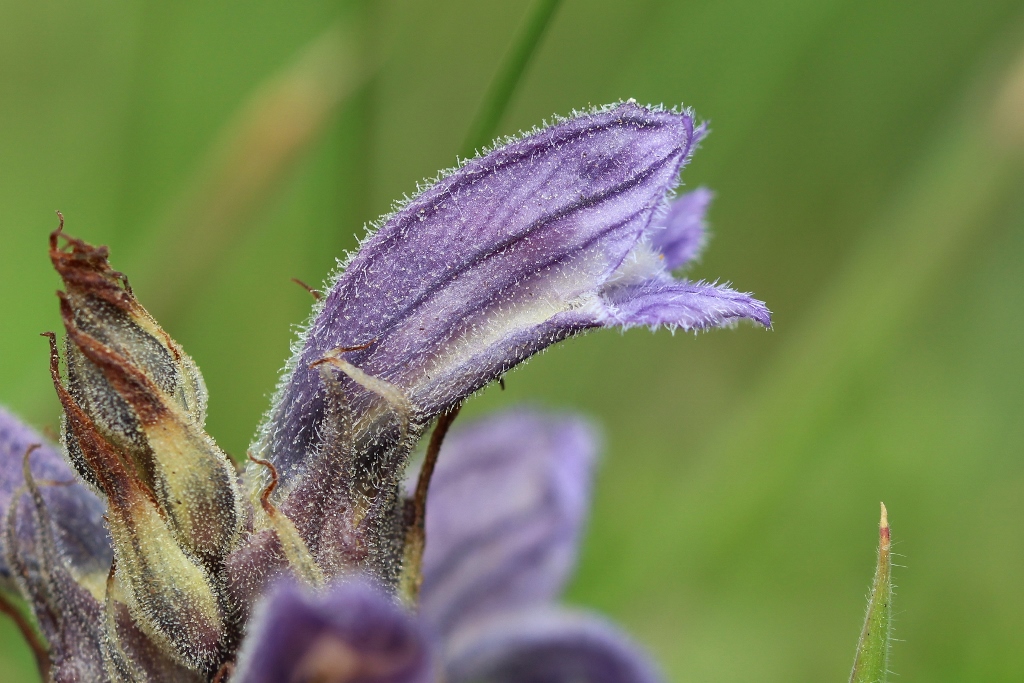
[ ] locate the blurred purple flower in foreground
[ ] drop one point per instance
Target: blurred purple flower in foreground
(144, 556)
(507, 503)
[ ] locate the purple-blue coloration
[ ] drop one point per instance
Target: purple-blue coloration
(534, 242)
(504, 518)
(351, 633)
(77, 513)
(685, 232)
(679, 304)
(39, 563)
(507, 505)
(553, 646)
(563, 230)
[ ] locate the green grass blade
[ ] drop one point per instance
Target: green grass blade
(872, 662)
(500, 92)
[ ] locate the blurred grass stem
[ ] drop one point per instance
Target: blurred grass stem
(252, 157)
(499, 94)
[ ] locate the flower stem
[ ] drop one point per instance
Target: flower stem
(500, 92)
(416, 512)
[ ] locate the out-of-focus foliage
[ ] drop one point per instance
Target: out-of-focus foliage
(859, 192)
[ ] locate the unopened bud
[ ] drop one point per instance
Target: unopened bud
(169, 593)
(146, 398)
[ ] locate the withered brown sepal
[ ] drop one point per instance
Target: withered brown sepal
(134, 411)
(146, 397)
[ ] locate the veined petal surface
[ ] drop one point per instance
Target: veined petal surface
(507, 504)
(479, 271)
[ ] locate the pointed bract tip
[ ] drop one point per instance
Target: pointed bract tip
(883, 529)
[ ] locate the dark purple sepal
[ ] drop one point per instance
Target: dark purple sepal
(552, 646)
(349, 633)
(67, 613)
(77, 513)
(507, 503)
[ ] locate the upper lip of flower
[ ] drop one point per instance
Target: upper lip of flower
(498, 259)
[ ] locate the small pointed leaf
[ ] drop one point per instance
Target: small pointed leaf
(872, 662)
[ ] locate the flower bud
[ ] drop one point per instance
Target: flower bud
(146, 399)
(168, 591)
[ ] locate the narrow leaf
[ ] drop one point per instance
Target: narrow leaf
(500, 92)
(872, 662)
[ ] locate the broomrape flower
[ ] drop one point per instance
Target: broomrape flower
(144, 555)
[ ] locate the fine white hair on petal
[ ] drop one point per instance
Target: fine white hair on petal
(371, 228)
(615, 135)
(533, 241)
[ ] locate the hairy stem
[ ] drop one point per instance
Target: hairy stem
(416, 512)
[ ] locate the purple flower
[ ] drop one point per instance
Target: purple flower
(142, 554)
(352, 632)
(77, 512)
(553, 234)
(53, 546)
(507, 504)
(685, 232)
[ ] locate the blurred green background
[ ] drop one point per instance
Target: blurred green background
(867, 161)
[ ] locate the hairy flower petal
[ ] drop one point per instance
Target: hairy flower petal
(554, 646)
(352, 632)
(466, 279)
(678, 304)
(489, 265)
(507, 503)
(76, 512)
(685, 232)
